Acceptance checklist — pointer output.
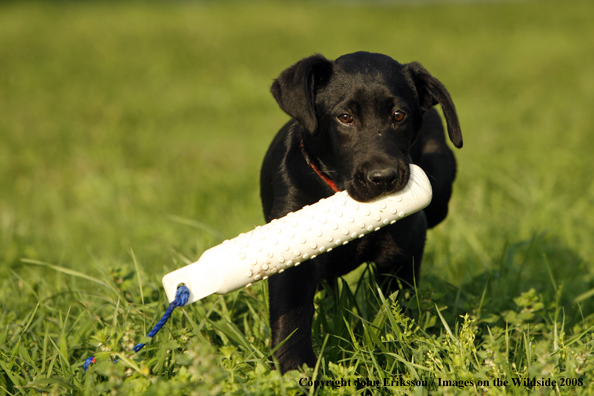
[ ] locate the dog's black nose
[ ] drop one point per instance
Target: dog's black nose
(383, 178)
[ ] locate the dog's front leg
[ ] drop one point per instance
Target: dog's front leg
(291, 313)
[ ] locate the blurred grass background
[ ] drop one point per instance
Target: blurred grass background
(117, 115)
(140, 127)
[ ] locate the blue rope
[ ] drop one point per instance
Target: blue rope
(88, 362)
(181, 298)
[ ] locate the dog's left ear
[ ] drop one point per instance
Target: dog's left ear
(294, 89)
(431, 92)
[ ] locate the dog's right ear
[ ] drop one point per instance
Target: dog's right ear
(294, 89)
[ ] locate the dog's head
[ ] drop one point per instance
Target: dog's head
(362, 112)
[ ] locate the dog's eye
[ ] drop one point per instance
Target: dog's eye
(398, 116)
(346, 118)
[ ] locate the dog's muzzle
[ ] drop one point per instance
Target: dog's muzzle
(370, 182)
(383, 178)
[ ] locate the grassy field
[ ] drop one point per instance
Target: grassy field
(131, 136)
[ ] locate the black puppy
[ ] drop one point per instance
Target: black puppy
(358, 122)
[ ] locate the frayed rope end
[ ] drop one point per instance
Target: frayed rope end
(181, 298)
(88, 362)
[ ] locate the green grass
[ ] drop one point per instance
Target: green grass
(131, 136)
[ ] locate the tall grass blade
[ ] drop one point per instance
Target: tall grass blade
(66, 271)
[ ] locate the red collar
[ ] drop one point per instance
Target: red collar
(326, 179)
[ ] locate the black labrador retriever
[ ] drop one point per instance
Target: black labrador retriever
(357, 123)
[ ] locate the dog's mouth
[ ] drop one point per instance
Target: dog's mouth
(369, 183)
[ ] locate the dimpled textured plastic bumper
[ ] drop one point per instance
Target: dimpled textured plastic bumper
(295, 238)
